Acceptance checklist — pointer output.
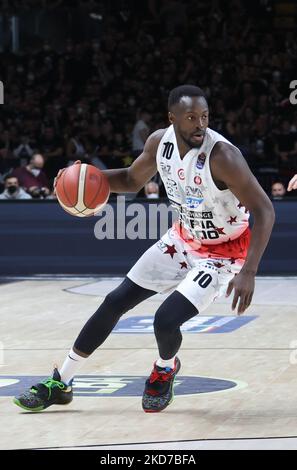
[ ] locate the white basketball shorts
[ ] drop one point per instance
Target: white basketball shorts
(170, 264)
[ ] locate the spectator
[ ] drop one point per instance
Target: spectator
(278, 190)
(51, 147)
(140, 132)
(24, 150)
(151, 190)
(32, 178)
(12, 189)
(121, 152)
(76, 148)
(140, 52)
(286, 145)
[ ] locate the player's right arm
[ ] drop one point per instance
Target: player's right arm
(133, 178)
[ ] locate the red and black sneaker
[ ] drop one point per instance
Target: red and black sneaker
(158, 391)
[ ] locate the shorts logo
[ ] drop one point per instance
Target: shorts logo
(161, 245)
(199, 324)
(181, 174)
(197, 180)
(200, 161)
(119, 386)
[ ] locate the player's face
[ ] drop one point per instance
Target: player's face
(190, 120)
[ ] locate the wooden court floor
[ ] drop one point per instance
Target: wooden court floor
(238, 380)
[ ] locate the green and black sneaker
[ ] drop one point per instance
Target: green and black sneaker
(44, 394)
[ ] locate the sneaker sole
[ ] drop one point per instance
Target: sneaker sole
(37, 409)
(18, 403)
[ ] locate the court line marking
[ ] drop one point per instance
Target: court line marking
(172, 442)
(46, 277)
(154, 349)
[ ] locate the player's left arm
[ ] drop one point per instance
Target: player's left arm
(292, 183)
(229, 167)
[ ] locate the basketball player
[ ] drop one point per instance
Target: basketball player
(206, 254)
(292, 183)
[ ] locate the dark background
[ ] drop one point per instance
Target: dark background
(85, 69)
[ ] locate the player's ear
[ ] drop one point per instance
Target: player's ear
(171, 117)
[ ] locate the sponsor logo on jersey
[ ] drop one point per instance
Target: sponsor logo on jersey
(198, 215)
(119, 385)
(181, 174)
(165, 168)
(171, 187)
(197, 180)
(193, 202)
(200, 161)
(193, 191)
(199, 324)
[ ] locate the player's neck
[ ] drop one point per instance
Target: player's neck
(183, 148)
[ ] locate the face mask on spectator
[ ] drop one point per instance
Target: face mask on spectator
(35, 171)
(12, 189)
(152, 196)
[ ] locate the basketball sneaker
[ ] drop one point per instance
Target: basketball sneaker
(158, 391)
(46, 393)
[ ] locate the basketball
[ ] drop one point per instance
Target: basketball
(82, 190)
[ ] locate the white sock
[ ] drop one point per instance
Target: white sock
(166, 362)
(72, 363)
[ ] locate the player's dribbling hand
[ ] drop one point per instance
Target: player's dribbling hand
(60, 173)
(293, 183)
(243, 285)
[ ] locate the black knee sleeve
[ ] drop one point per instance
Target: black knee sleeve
(126, 296)
(173, 312)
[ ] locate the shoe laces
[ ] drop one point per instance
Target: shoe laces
(49, 383)
(160, 376)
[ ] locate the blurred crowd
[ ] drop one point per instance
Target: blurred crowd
(98, 95)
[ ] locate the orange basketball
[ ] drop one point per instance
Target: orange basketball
(82, 190)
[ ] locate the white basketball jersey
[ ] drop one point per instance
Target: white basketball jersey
(209, 214)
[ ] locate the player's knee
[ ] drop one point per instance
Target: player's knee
(117, 303)
(163, 323)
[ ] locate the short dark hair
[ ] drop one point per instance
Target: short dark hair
(278, 182)
(183, 90)
(7, 177)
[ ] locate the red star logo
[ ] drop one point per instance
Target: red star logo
(232, 220)
(232, 260)
(183, 264)
(218, 265)
(220, 230)
(170, 250)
